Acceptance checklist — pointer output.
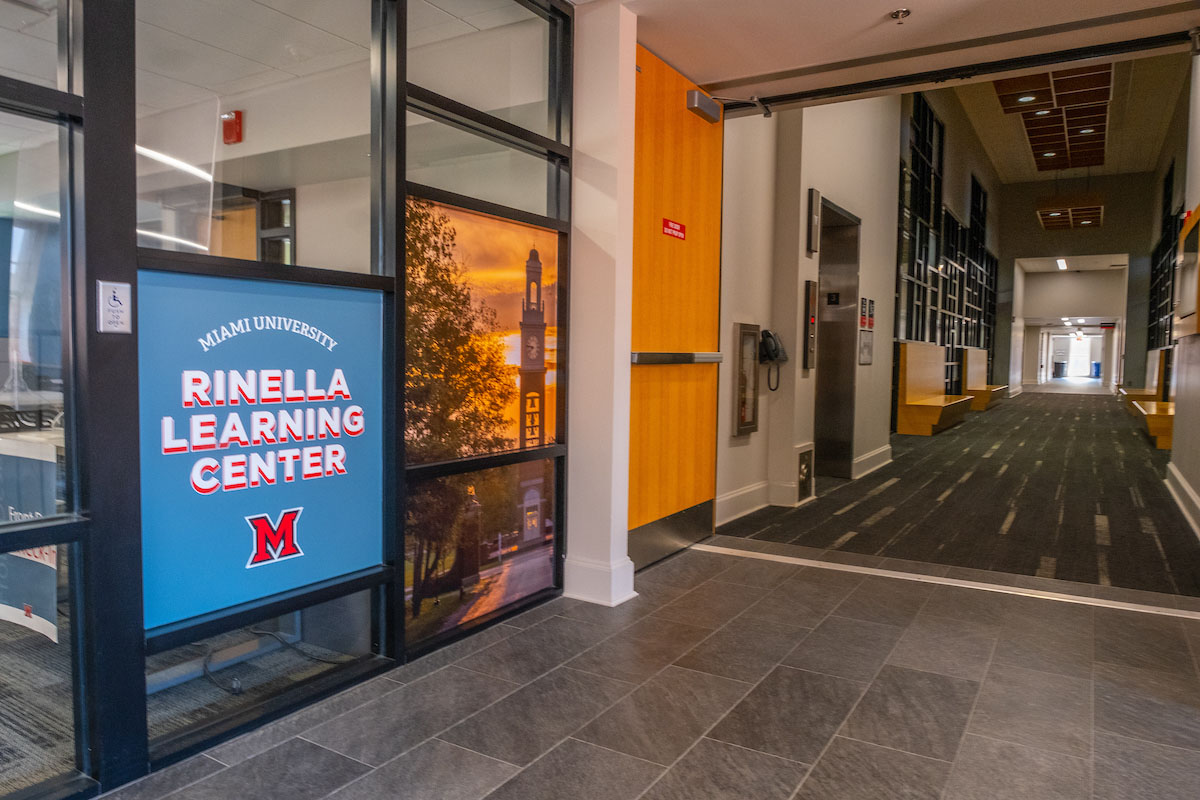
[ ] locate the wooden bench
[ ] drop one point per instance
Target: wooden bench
(922, 407)
(1159, 417)
(974, 370)
(1156, 377)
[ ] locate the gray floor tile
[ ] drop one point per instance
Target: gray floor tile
(1036, 709)
(1130, 769)
(745, 649)
(886, 600)
(639, 652)
(408, 716)
(415, 670)
(1187, 603)
(759, 573)
(535, 718)
(987, 769)
(946, 646)
(295, 770)
(580, 771)
(718, 771)
(161, 783)
(1147, 641)
(712, 604)
(1135, 596)
(801, 602)
(792, 713)
(917, 712)
(1157, 706)
(435, 769)
(537, 650)
(1038, 614)
(971, 605)
(650, 598)
(542, 612)
(830, 576)
(852, 770)
(662, 719)
(1061, 651)
(266, 737)
(736, 543)
(847, 648)
(687, 569)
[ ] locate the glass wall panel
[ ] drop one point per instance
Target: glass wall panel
(492, 55)
(32, 446)
(29, 41)
(475, 543)
(218, 676)
(37, 698)
(453, 159)
(481, 335)
(254, 130)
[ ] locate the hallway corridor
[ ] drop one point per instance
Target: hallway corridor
(1042, 486)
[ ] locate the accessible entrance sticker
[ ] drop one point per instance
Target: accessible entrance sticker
(261, 439)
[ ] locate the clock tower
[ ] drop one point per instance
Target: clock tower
(533, 356)
(532, 500)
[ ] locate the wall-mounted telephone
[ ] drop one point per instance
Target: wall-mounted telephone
(771, 353)
(771, 349)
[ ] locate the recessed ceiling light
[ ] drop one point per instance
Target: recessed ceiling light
(1062, 264)
(1086, 222)
(1041, 113)
(1066, 319)
(1028, 98)
(1051, 154)
(1080, 320)
(1087, 130)
(1056, 213)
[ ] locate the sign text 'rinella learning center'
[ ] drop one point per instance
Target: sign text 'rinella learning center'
(261, 446)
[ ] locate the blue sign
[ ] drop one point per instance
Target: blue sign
(261, 408)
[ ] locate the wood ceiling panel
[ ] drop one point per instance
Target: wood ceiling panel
(1076, 99)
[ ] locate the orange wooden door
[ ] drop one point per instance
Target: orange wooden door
(676, 308)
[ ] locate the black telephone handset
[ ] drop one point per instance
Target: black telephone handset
(771, 353)
(771, 348)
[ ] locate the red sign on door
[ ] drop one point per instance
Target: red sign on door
(676, 229)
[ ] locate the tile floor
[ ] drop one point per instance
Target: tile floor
(731, 677)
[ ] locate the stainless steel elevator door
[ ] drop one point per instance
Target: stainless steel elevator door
(837, 344)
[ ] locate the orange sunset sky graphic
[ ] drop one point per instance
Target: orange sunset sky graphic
(493, 254)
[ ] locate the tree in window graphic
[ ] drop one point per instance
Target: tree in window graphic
(458, 387)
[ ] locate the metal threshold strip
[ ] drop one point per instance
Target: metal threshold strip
(941, 581)
(645, 357)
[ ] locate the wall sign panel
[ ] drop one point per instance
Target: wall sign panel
(261, 439)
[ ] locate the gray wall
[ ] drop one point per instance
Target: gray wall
(1129, 207)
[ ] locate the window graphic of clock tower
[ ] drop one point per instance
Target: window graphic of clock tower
(533, 397)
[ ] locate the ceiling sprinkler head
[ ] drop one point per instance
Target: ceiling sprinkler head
(901, 14)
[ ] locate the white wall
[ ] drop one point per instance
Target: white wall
(746, 257)
(851, 153)
(1030, 353)
(333, 222)
(1086, 293)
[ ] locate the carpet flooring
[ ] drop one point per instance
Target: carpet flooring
(1064, 486)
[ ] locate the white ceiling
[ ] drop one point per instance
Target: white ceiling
(1075, 263)
(1145, 95)
(769, 47)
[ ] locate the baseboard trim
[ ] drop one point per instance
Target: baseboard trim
(866, 464)
(1185, 496)
(600, 582)
(743, 501)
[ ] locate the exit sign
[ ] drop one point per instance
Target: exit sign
(673, 228)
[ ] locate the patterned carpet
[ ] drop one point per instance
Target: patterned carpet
(1054, 485)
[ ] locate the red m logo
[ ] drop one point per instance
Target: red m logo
(274, 541)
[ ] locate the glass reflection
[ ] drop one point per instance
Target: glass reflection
(481, 336)
(32, 453)
(254, 130)
(475, 543)
(29, 41)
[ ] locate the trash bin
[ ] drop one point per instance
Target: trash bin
(1060, 369)
(1095, 369)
